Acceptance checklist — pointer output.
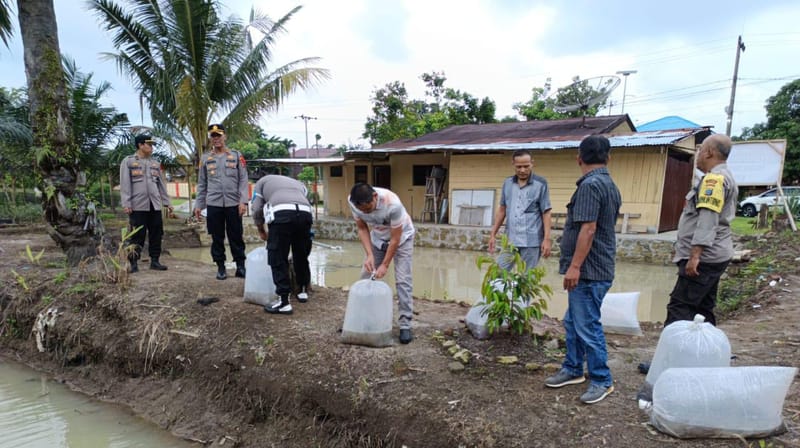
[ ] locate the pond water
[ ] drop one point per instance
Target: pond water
(452, 274)
(36, 412)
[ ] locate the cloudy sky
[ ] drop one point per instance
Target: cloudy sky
(683, 53)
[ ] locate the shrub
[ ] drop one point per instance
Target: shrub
(512, 296)
(22, 214)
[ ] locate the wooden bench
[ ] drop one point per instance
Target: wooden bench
(559, 219)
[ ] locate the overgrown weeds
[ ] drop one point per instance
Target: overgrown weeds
(774, 259)
(114, 266)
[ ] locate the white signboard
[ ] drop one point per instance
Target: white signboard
(757, 163)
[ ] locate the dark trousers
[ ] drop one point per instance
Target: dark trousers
(695, 295)
(290, 230)
(222, 220)
(152, 225)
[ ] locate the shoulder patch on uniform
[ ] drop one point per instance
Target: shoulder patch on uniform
(711, 194)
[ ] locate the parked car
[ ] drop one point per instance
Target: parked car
(752, 204)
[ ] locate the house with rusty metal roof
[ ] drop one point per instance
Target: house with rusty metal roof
(454, 175)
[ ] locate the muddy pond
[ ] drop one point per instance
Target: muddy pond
(453, 275)
(36, 412)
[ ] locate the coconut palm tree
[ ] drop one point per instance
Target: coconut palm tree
(192, 67)
(67, 210)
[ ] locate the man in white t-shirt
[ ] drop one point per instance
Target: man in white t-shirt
(387, 233)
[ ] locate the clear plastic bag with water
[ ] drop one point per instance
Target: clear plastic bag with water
(477, 321)
(258, 285)
(618, 313)
(477, 318)
(685, 343)
(369, 314)
(721, 401)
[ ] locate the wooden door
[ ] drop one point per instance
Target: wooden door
(677, 181)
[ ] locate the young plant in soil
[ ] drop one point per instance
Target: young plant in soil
(513, 296)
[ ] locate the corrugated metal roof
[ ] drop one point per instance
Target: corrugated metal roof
(514, 132)
(301, 153)
(309, 161)
(636, 139)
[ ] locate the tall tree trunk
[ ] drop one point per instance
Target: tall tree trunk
(111, 193)
(102, 190)
(71, 218)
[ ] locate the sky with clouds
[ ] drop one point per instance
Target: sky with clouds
(683, 53)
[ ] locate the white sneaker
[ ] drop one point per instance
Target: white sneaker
(278, 308)
(302, 296)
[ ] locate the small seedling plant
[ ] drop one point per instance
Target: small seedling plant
(514, 296)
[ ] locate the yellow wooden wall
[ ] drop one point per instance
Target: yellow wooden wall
(413, 197)
(638, 173)
(336, 191)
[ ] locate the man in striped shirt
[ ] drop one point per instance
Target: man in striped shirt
(588, 250)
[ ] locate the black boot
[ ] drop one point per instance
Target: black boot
(155, 265)
(240, 271)
(134, 265)
(221, 274)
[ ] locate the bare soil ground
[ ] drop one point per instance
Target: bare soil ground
(228, 373)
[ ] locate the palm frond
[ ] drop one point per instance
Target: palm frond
(6, 30)
(190, 64)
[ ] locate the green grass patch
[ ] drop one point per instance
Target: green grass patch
(745, 226)
(82, 288)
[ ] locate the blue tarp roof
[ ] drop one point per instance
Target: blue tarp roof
(667, 123)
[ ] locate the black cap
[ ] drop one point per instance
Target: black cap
(144, 138)
(216, 128)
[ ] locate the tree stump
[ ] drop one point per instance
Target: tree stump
(762, 221)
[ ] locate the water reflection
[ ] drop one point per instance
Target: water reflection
(38, 413)
(453, 274)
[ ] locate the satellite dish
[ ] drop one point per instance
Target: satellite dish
(583, 94)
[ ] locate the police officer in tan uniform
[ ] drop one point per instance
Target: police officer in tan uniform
(222, 189)
(280, 202)
(704, 246)
(144, 193)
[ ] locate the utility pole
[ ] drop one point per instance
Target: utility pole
(625, 74)
(729, 109)
(305, 119)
